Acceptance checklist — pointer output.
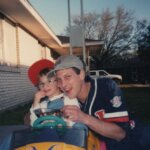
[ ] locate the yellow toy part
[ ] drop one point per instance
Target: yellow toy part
(93, 143)
(49, 146)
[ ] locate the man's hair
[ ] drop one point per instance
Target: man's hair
(76, 70)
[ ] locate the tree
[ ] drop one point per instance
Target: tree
(91, 21)
(143, 41)
(115, 30)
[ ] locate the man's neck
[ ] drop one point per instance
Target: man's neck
(84, 92)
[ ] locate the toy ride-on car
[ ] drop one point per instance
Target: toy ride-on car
(50, 132)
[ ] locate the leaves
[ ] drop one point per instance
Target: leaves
(114, 29)
(143, 41)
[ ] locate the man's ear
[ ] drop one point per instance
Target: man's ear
(82, 74)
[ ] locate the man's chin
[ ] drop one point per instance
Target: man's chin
(70, 96)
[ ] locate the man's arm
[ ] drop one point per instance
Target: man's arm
(106, 129)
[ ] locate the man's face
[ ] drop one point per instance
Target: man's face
(70, 82)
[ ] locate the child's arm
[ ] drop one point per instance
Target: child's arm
(36, 105)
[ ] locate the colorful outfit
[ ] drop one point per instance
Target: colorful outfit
(55, 103)
(105, 102)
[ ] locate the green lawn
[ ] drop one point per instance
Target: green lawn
(138, 102)
(14, 116)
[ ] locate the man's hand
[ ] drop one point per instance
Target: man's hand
(107, 129)
(73, 113)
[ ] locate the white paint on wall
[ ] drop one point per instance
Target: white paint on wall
(10, 53)
(28, 48)
(1, 43)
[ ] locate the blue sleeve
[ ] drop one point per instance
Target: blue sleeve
(55, 104)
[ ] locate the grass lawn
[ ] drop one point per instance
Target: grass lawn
(14, 116)
(138, 102)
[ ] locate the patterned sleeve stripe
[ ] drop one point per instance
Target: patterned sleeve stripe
(116, 114)
(119, 119)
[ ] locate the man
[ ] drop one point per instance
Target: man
(103, 108)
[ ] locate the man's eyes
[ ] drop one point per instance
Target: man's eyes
(68, 77)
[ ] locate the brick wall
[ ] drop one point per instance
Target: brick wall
(15, 87)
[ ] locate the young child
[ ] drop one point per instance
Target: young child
(47, 90)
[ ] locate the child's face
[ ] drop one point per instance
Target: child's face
(49, 86)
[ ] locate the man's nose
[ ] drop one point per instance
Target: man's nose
(63, 84)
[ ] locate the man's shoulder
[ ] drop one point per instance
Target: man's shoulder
(101, 82)
(104, 81)
(99, 79)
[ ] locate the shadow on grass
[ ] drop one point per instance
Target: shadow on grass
(138, 102)
(14, 116)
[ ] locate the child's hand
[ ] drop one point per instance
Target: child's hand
(37, 98)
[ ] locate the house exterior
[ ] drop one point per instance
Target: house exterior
(20, 46)
(24, 38)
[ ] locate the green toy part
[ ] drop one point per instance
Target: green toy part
(49, 121)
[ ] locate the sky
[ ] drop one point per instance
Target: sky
(55, 12)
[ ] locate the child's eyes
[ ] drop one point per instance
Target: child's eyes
(41, 84)
(49, 81)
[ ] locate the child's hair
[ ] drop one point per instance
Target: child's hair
(51, 74)
(44, 72)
